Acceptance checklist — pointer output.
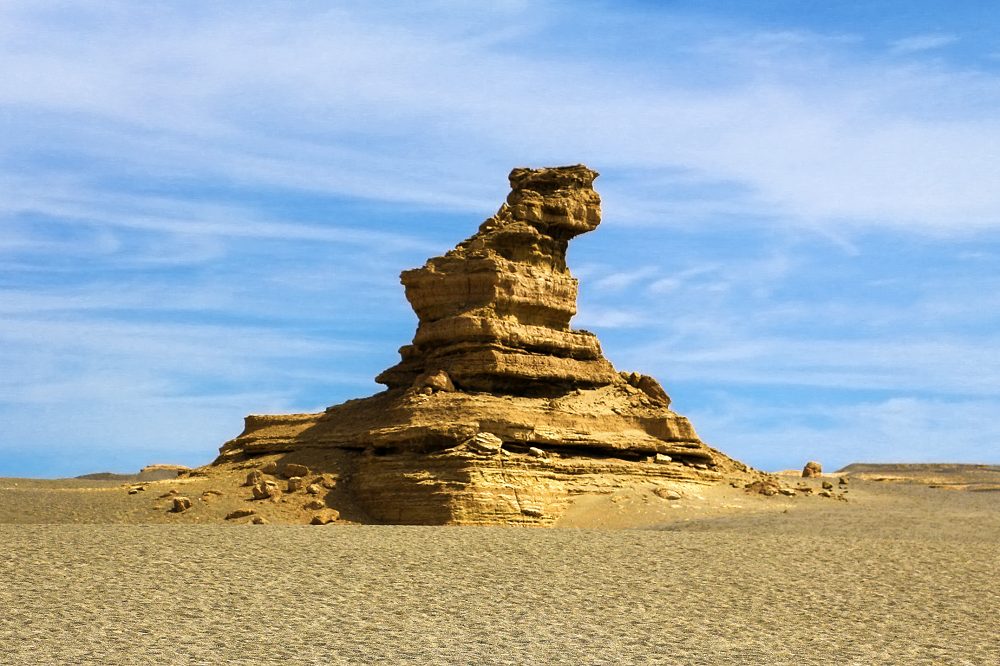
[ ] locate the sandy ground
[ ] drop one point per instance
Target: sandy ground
(902, 573)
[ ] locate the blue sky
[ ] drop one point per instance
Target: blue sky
(205, 206)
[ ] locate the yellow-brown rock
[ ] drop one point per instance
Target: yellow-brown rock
(495, 311)
(498, 412)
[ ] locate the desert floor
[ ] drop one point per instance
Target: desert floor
(901, 573)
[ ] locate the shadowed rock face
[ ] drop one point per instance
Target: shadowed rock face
(498, 412)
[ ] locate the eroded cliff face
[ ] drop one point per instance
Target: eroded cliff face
(498, 412)
(495, 311)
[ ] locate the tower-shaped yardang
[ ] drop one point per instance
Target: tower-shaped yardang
(498, 412)
(495, 311)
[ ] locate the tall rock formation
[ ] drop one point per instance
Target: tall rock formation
(494, 312)
(497, 412)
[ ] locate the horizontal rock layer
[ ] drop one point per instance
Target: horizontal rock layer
(498, 412)
(415, 462)
(617, 418)
(494, 312)
(467, 488)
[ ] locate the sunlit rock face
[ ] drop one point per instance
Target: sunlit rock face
(495, 311)
(498, 412)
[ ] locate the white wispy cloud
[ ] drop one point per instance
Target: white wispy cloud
(82, 395)
(359, 100)
(963, 368)
(680, 279)
(775, 437)
(922, 43)
(624, 279)
(76, 203)
(803, 314)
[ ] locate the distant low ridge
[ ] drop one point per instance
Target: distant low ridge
(149, 473)
(943, 475)
(943, 468)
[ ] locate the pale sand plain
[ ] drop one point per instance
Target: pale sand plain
(902, 573)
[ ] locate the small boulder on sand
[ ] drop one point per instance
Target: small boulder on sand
(240, 513)
(325, 517)
(265, 490)
(269, 467)
(812, 469)
(314, 489)
(253, 478)
(766, 487)
(294, 470)
(181, 504)
(315, 504)
(667, 494)
(295, 483)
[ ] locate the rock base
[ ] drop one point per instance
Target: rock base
(451, 458)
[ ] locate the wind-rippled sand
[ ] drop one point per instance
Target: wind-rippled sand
(910, 577)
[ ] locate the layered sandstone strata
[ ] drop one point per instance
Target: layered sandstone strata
(495, 311)
(498, 412)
